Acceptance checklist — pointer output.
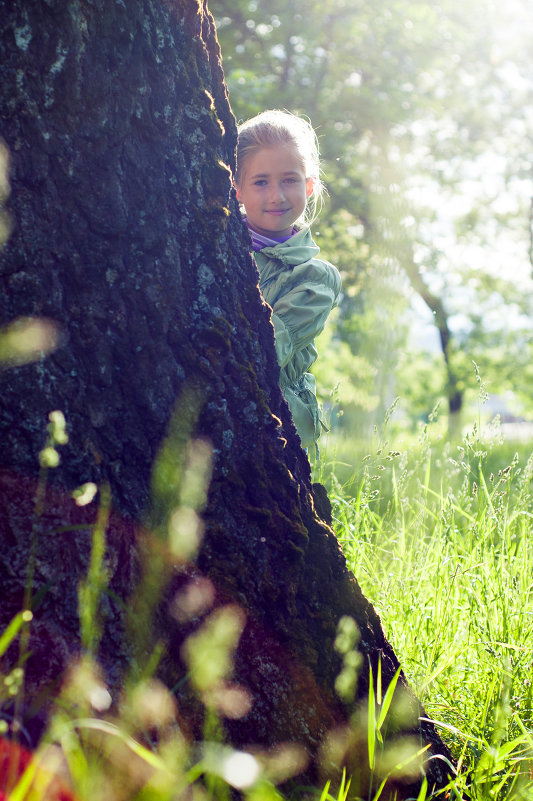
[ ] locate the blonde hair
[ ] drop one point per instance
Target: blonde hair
(274, 128)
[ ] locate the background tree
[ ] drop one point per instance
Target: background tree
(417, 104)
(125, 235)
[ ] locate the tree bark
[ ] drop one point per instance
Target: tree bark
(453, 389)
(126, 235)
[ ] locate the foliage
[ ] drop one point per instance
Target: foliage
(425, 190)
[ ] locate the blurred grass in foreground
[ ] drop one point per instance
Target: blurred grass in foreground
(439, 539)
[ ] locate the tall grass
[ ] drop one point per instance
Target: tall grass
(440, 540)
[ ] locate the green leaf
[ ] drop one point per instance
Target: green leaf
(371, 724)
(388, 699)
(13, 629)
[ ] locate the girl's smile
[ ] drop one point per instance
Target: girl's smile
(274, 190)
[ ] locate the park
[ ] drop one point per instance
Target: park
(192, 605)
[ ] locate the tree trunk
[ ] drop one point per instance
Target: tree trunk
(125, 235)
(454, 391)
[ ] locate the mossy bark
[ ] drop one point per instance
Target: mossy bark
(126, 234)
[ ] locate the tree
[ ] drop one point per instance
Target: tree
(125, 234)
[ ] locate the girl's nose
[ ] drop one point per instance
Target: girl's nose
(276, 193)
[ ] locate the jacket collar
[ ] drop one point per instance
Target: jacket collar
(296, 250)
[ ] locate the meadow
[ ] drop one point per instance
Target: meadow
(439, 538)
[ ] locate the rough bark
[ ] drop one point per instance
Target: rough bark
(125, 233)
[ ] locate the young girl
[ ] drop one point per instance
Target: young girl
(278, 184)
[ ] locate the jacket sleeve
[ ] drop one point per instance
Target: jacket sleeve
(300, 315)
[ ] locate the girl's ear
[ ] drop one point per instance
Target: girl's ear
(237, 191)
(309, 187)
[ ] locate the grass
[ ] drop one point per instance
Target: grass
(438, 538)
(440, 541)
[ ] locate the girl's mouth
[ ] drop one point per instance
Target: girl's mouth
(277, 211)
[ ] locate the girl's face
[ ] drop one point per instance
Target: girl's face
(273, 190)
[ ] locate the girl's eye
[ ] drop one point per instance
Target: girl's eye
(260, 182)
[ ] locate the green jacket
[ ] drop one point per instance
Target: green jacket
(302, 290)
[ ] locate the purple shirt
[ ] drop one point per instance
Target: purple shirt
(259, 241)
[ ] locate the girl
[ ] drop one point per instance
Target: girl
(278, 184)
